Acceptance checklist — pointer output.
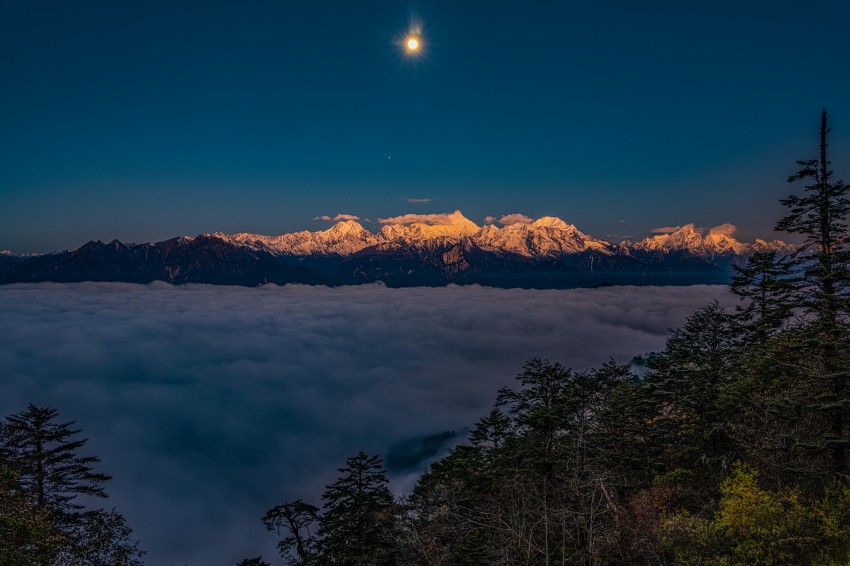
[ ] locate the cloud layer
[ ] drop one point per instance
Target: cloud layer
(727, 229)
(339, 217)
(211, 404)
(440, 219)
(666, 229)
(515, 218)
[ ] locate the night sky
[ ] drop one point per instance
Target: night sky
(145, 120)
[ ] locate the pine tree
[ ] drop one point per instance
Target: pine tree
(820, 216)
(770, 287)
(43, 453)
(686, 381)
(50, 475)
(490, 434)
(357, 524)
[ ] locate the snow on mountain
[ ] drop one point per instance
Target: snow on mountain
(547, 237)
(685, 238)
(344, 238)
(416, 227)
(773, 246)
(13, 255)
(722, 243)
(688, 239)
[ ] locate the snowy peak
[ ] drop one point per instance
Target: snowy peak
(347, 231)
(721, 243)
(344, 238)
(552, 222)
(345, 228)
(546, 237)
(411, 227)
(684, 238)
(717, 241)
(773, 246)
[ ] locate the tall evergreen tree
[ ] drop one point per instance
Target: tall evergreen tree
(44, 455)
(50, 475)
(820, 216)
(357, 524)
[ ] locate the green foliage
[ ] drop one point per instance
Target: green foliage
(686, 382)
(42, 476)
(27, 536)
(44, 455)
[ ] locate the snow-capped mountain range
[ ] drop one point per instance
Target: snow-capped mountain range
(413, 250)
(546, 237)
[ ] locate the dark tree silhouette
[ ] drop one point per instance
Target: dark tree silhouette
(356, 527)
(820, 215)
(49, 475)
(298, 519)
(770, 287)
(43, 453)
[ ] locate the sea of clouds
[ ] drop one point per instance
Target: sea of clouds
(211, 404)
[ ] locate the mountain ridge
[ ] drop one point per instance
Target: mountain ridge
(546, 237)
(414, 250)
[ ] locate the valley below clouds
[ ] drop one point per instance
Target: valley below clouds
(211, 404)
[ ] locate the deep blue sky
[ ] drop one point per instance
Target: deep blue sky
(145, 120)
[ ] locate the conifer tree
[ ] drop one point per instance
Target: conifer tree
(43, 453)
(490, 433)
(769, 286)
(686, 380)
(49, 476)
(356, 527)
(820, 216)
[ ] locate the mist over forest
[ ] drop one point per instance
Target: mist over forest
(208, 403)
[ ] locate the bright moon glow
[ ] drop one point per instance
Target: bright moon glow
(412, 44)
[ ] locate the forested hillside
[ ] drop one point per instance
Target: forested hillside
(732, 448)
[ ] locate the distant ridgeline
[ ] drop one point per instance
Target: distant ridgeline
(546, 253)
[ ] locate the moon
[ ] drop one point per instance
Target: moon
(412, 44)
